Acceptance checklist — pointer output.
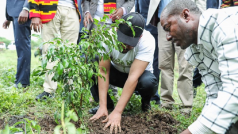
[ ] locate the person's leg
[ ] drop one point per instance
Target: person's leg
(23, 47)
(147, 87)
(197, 81)
(184, 83)
(69, 28)
(233, 129)
(49, 31)
(156, 72)
(166, 65)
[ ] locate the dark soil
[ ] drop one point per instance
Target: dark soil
(149, 123)
(47, 123)
(158, 123)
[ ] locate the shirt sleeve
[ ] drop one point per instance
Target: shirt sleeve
(146, 48)
(198, 128)
(222, 110)
(106, 49)
(226, 3)
(34, 9)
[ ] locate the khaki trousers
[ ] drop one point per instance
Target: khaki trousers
(65, 24)
(166, 64)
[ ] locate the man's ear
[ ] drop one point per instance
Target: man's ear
(185, 15)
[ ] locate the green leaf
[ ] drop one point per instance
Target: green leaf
(79, 131)
(130, 17)
(73, 116)
(132, 29)
(60, 68)
(111, 11)
(90, 73)
(57, 129)
(71, 128)
(105, 17)
(6, 130)
(129, 23)
(65, 63)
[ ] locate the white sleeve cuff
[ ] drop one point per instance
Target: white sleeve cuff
(86, 12)
(198, 128)
(25, 8)
(124, 10)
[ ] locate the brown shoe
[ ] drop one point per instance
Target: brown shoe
(186, 111)
(166, 106)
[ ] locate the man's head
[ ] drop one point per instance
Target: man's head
(180, 19)
(125, 34)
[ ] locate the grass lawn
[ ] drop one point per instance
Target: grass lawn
(20, 103)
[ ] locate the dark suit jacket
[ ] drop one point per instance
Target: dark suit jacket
(14, 7)
(142, 7)
(213, 4)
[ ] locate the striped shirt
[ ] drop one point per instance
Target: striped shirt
(46, 9)
(229, 3)
(216, 57)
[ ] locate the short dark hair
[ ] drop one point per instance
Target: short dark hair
(175, 7)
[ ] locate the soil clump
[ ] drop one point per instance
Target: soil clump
(157, 123)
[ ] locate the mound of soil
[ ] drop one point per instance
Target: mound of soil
(140, 124)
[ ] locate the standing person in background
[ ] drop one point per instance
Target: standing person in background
(95, 9)
(17, 11)
(54, 17)
(229, 3)
(142, 7)
(81, 22)
(166, 64)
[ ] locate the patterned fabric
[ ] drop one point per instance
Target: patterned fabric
(46, 9)
(216, 57)
(229, 3)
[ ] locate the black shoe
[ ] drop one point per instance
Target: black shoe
(157, 102)
(44, 96)
(145, 106)
(94, 110)
(23, 86)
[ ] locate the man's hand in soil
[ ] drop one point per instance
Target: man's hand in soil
(6, 24)
(117, 14)
(36, 24)
(87, 19)
(186, 132)
(23, 17)
(102, 111)
(114, 121)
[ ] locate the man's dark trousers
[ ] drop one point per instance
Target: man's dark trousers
(22, 40)
(142, 7)
(147, 85)
(213, 4)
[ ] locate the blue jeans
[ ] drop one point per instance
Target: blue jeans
(22, 34)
